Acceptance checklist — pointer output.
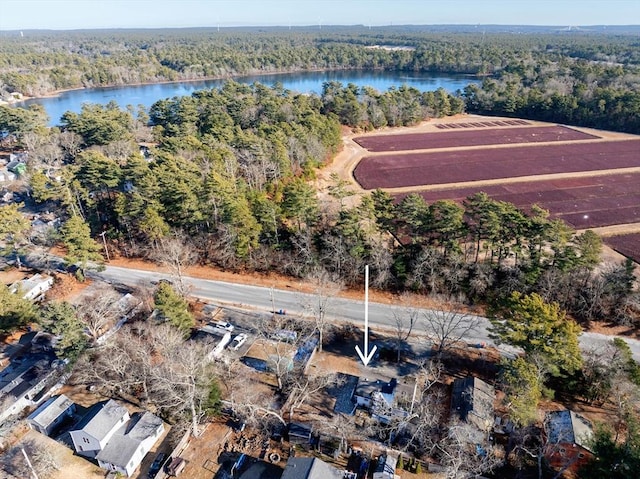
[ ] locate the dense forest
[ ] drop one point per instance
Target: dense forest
(578, 77)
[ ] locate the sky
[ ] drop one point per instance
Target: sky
(90, 14)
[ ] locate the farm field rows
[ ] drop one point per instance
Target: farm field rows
(476, 137)
(628, 245)
(586, 202)
(432, 168)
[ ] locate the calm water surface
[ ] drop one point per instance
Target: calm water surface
(303, 82)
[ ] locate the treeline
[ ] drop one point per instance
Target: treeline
(592, 94)
(232, 177)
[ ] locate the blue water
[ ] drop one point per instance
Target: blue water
(303, 82)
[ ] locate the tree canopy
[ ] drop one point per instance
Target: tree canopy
(529, 323)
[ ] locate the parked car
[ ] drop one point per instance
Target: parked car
(238, 341)
(156, 465)
(224, 325)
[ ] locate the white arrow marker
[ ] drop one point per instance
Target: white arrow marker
(366, 357)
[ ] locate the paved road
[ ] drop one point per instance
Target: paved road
(269, 299)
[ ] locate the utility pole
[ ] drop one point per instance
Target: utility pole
(104, 241)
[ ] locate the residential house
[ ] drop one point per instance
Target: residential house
(32, 370)
(33, 288)
(125, 450)
(51, 414)
(472, 402)
(116, 440)
(381, 397)
(97, 427)
(309, 468)
(568, 435)
(386, 468)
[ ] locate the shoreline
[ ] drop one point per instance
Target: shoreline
(57, 93)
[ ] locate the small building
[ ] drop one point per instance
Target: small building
(568, 435)
(299, 433)
(309, 468)
(33, 288)
(386, 468)
(98, 426)
(125, 450)
(51, 414)
(472, 401)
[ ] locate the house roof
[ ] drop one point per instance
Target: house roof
(261, 470)
(343, 392)
(366, 387)
(101, 419)
(299, 430)
(568, 427)
(387, 465)
(472, 400)
(50, 410)
(309, 468)
(125, 442)
(27, 286)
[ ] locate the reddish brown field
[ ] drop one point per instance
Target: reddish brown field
(481, 124)
(416, 169)
(477, 137)
(628, 245)
(586, 202)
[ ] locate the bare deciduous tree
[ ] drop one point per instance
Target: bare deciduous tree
(318, 304)
(99, 310)
(300, 387)
(464, 455)
(177, 254)
(404, 319)
(40, 461)
(448, 325)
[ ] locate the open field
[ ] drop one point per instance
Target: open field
(475, 137)
(628, 245)
(586, 202)
(442, 167)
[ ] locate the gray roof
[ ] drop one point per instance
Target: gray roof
(102, 418)
(309, 468)
(126, 440)
(568, 427)
(51, 410)
(472, 400)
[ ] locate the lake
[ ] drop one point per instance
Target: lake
(302, 82)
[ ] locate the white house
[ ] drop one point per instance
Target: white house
(33, 288)
(51, 414)
(97, 427)
(116, 440)
(128, 446)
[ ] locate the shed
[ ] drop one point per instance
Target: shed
(51, 414)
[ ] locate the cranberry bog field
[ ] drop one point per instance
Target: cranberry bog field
(401, 170)
(588, 179)
(449, 139)
(585, 202)
(627, 245)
